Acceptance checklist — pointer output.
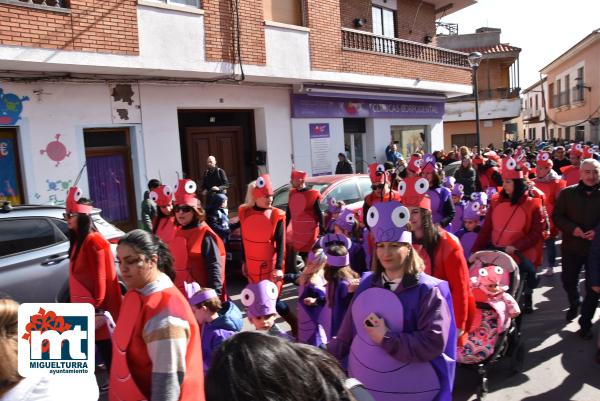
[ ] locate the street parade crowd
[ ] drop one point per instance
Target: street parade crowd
(392, 296)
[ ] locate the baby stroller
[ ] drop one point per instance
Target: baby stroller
(496, 330)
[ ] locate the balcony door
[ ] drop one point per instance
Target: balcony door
(384, 25)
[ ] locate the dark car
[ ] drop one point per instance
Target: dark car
(34, 246)
(349, 188)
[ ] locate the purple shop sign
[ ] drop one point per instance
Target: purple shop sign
(319, 130)
(305, 106)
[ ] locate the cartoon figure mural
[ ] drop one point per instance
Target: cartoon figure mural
(11, 107)
(56, 150)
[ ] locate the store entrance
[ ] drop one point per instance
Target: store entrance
(355, 143)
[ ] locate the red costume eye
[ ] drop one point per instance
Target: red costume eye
(190, 187)
(498, 270)
(380, 169)
(153, 196)
(247, 297)
(419, 163)
(545, 156)
(260, 182)
(483, 272)
(167, 191)
(402, 187)
(400, 216)
(372, 216)
(511, 164)
(77, 195)
(421, 186)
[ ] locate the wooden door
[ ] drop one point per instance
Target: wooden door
(110, 177)
(224, 143)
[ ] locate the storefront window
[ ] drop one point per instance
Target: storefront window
(409, 138)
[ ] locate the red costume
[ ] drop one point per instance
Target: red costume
(570, 174)
(551, 188)
(92, 274)
(163, 227)
(449, 261)
(189, 261)
(304, 219)
(258, 230)
(132, 367)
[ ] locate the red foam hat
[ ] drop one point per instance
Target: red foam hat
(576, 150)
(299, 175)
(413, 191)
(509, 169)
(263, 187)
(185, 193)
(543, 159)
(73, 196)
(162, 196)
(478, 160)
(377, 173)
(415, 163)
(587, 152)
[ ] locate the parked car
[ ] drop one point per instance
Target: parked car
(34, 246)
(349, 188)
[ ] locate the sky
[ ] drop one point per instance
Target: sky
(543, 29)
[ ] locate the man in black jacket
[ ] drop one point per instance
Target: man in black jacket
(343, 166)
(576, 214)
(214, 180)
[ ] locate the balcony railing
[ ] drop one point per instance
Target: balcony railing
(561, 99)
(369, 42)
(489, 94)
(577, 95)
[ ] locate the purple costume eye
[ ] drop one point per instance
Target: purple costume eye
(388, 222)
(247, 297)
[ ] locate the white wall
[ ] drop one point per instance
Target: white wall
(301, 139)
(288, 51)
(378, 135)
(488, 110)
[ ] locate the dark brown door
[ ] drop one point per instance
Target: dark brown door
(110, 178)
(224, 143)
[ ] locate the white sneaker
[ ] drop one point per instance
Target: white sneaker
(549, 271)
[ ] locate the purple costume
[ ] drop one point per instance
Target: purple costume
(467, 238)
(416, 359)
(228, 323)
(312, 320)
(438, 196)
(458, 217)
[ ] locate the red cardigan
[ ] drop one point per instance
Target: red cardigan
(450, 265)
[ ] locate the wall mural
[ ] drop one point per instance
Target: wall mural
(55, 193)
(11, 107)
(56, 151)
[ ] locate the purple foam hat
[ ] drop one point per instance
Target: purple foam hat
(480, 197)
(388, 222)
(491, 191)
(195, 297)
(260, 298)
(332, 206)
(429, 161)
(458, 190)
(449, 182)
(336, 239)
(346, 220)
(471, 211)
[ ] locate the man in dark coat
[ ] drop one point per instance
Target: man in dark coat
(214, 180)
(343, 166)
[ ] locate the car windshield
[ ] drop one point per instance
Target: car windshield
(281, 195)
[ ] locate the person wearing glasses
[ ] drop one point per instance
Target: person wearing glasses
(92, 274)
(380, 184)
(198, 251)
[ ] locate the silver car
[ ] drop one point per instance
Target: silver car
(34, 251)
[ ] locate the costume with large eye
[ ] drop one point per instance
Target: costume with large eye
(442, 207)
(298, 175)
(162, 196)
(488, 172)
(449, 182)
(509, 169)
(415, 164)
(305, 215)
(198, 252)
(587, 152)
(72, 206)
(490, 284)
(379, 176)
(456, 223)
(260, 298)
(388, 222)
(258, 230)
(413, 191)
(467, 238)
(428, 163)
(185, 193)
(145, 317)
(550, 185)
(313, 320)
(163, 226)
(544, 160)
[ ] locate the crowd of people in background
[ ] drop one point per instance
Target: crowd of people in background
(387, 300)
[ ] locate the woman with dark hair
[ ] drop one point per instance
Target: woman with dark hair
(442, 206)
(255, 366)
(92, 274)
(442, 253)
(198, 251)
(398, 334)
(157, 353)
(466, 175)
(515, 224)
(163, 225)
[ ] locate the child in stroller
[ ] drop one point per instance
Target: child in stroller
(496, 286)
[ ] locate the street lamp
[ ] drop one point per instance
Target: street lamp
(474, 60)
